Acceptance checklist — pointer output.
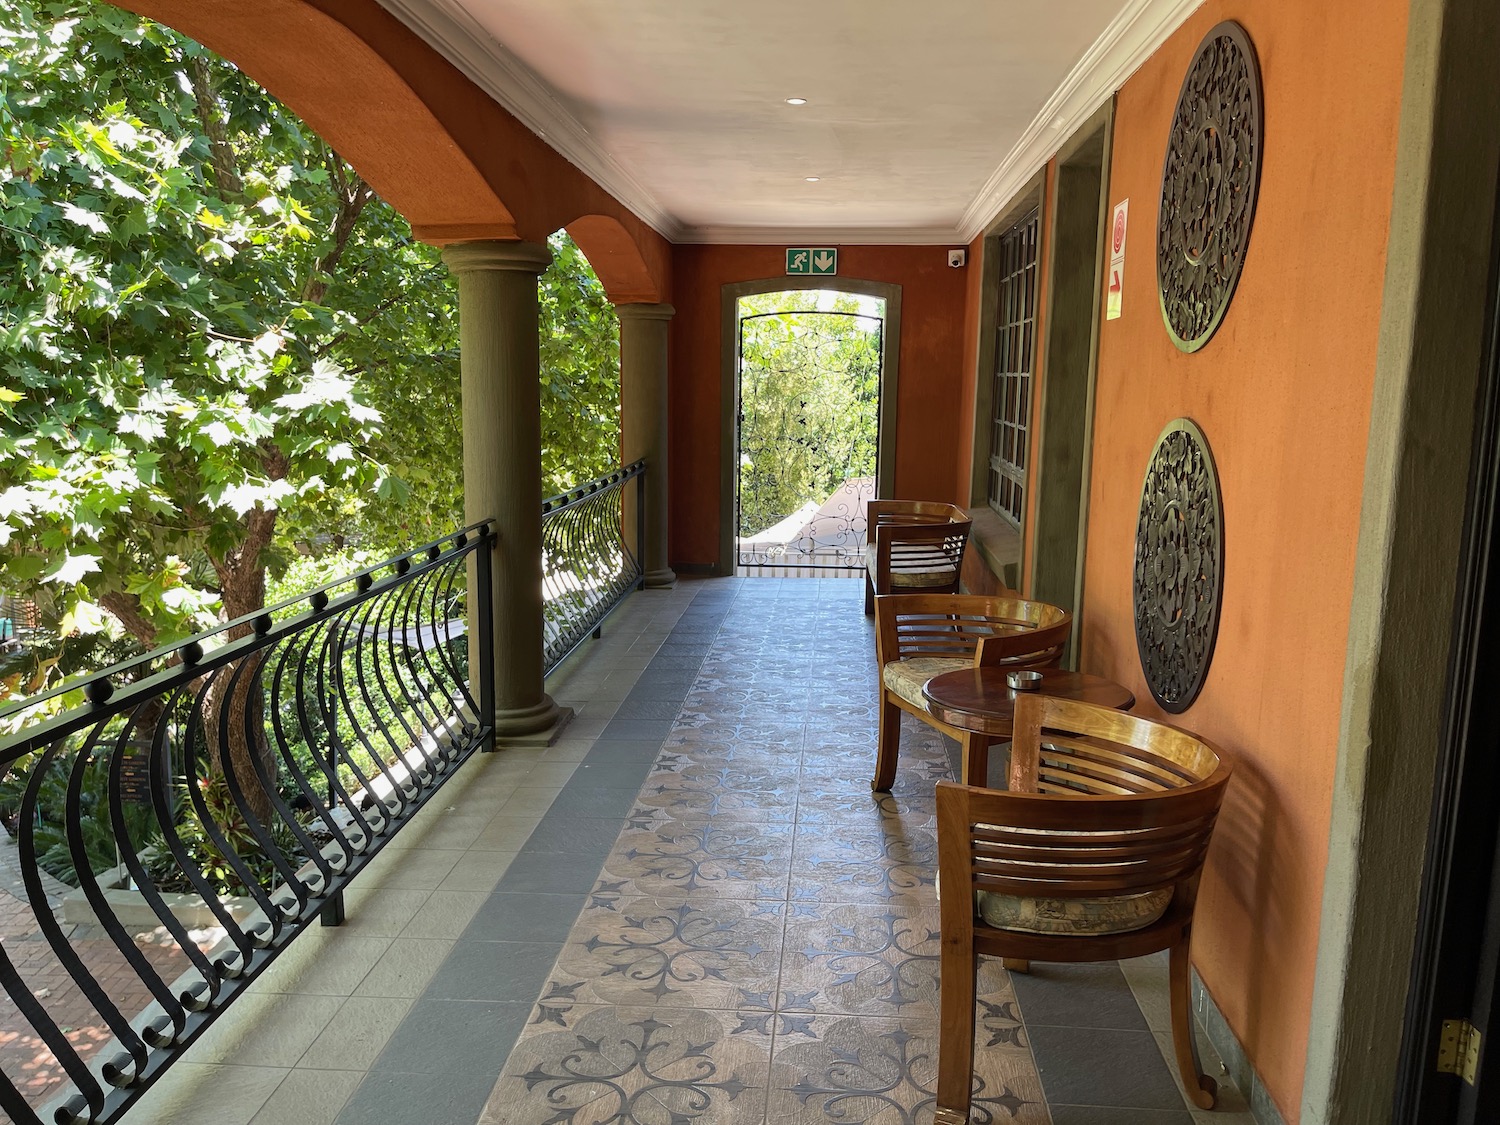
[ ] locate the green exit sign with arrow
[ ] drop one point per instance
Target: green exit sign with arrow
(812, 260)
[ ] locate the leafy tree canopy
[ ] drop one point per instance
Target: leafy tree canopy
(216, 344)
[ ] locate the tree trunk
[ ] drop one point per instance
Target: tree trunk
(233, 719)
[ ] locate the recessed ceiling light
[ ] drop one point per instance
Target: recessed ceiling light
(796, 101)
(812, 179)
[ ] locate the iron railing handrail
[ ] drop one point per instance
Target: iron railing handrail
(576, 496)
(193, 653)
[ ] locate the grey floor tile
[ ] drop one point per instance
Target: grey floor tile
(551, 873)
(494, 970)
(594, 802)
(1103, 1067)
(624, 750)
(610, 775)
(404, 1098)
(677, 662)
(525, 917)
(1084, 995)
(588, 836)
(640, 729)
(663, 685)
(454, 1038)
(1107, 1115)
(660, 709)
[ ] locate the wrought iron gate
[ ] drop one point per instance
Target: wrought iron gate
(807, 436)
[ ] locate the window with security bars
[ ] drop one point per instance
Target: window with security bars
(1015, 324)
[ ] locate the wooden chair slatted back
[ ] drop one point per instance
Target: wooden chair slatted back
(965, 626)
(1102, 804)
(881, 513)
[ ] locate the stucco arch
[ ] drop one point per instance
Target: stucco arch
(615, 258)
(342, 87)
(434, 145)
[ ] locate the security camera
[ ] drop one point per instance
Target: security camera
(956, 258)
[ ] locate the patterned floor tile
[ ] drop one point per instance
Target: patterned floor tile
(722, 858)
(862, 960)
(884, 1072)
(634, 1066)
(680, 953)
(862, 862)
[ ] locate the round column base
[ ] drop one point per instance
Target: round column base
(663, 579)
(512, 722)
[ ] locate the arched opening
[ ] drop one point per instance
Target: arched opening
(809, 422)
(580, 368)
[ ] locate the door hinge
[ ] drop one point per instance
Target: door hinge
(1458, 1050)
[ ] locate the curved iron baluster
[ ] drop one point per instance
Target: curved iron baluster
(587, 564)
(358, 680)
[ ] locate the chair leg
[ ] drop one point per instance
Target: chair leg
(1202, 1089)
(1016, 965)
(869, 596)
(886, 745)
(955, 1037)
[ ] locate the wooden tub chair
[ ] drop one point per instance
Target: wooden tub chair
(1093, 855)
(913, 546)
(918, 636)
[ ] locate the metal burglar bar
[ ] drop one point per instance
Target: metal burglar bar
(1015, 349)
(271, 758)
(587, 567)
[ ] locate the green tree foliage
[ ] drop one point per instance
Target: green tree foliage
(809, 388)
(217, 345)
(166, 232)
(580, 346)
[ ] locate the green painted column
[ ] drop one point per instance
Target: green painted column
(502, 436)
(643, 424)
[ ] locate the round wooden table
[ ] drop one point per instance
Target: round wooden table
(979, 702)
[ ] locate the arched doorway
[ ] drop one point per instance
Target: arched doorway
(808, 426)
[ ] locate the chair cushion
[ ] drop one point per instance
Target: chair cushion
(907, 677)
(940, 575)
(1080, 916)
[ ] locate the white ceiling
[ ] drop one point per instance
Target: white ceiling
(923, 116)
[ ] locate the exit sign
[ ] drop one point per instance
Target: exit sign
(812, 260)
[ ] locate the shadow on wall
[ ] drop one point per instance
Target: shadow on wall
(1240, 863)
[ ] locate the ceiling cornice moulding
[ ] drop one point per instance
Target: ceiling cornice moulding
(819, 236)
(516, 87)
(1131, 38)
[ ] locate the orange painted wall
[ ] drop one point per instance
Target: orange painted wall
(1283, 394)
(930, 378)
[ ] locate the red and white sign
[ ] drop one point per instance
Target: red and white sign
(1117, 259)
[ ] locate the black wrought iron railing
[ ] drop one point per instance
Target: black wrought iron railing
(240, 778)
(587, 565)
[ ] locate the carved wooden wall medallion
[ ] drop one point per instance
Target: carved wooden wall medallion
(1179, 565)
(1209, 181)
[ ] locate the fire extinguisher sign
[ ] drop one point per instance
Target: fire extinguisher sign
(1117, 259)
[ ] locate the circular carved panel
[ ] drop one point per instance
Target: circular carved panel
(1179, 566)
(1209, 182)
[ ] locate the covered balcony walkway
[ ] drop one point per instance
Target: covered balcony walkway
(689, 910)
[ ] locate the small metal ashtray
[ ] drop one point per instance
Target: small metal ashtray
(1024, 681)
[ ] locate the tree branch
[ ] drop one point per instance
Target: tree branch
(353, 195)
(128, 611)
(225, 165)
